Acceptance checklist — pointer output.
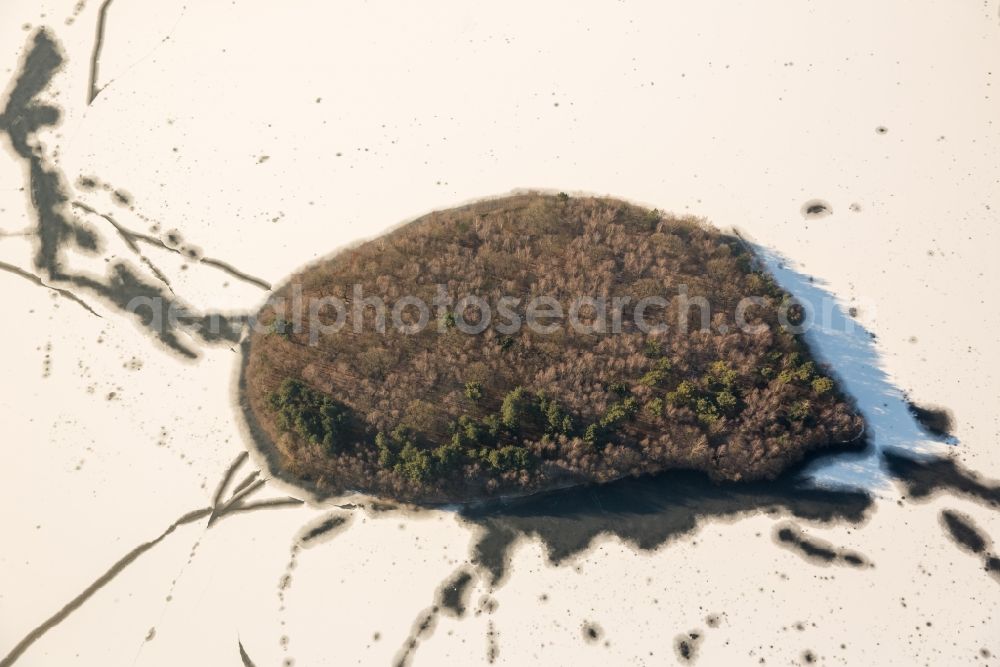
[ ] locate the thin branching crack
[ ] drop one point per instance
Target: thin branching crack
(219, 509)
(133, 239)
(66, 294)
(95, 57)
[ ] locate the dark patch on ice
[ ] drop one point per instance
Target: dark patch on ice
(815, 209)
(492, 645)
(23, 116)
(592, 632)
(925, 477)
(381, 506)
(422, 627)
(122, 198)
(938, 421)
(792, 537)
(169, 320)
(854, 559)
(492, 549)
(325, 529)
(686, 646)
(964, 532)
(453, 596)
(971, 538)
(645, 512)
(450, 598)
(487, 605)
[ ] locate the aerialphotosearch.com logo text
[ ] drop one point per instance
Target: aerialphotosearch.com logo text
(471, 314)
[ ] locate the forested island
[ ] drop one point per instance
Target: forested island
(444, 404)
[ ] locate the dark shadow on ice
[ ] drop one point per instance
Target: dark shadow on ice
(926, 477)
(645, 512)
(969, 537)
(938, 421)
(790, 536)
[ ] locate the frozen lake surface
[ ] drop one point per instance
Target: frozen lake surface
(203, 152)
